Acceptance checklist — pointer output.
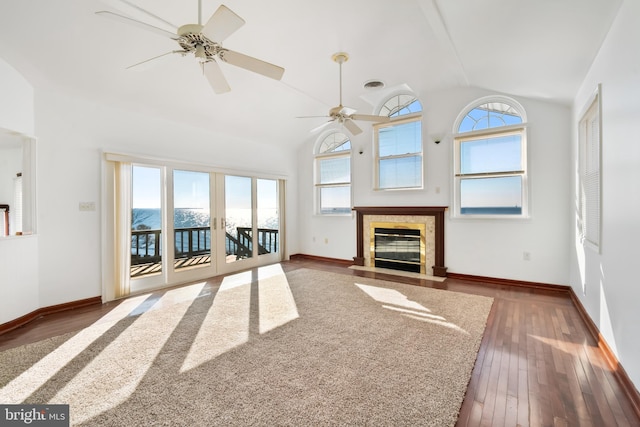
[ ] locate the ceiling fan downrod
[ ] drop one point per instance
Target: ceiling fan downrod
(340, 58)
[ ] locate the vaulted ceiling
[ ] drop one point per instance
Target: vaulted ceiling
(540, 49)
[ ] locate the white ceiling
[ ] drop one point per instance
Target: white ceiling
(539, 49)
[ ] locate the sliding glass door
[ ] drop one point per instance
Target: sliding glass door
(189, 224)
(191, 219)
(147, 236)
(251, 221)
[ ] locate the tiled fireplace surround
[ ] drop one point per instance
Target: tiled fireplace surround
(431, 216)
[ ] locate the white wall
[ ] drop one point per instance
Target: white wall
(492, 248)
(610, 278)
(72, 133)
(16, 102)
(18, 254)
(18, 276)
(495, 247)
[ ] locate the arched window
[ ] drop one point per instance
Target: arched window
(333, 174)
(491, 159)
(398, 144)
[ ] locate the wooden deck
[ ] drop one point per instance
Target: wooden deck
(156, 267)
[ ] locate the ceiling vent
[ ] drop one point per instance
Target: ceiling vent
(373, 84)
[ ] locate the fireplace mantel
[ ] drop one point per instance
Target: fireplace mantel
(436, 211)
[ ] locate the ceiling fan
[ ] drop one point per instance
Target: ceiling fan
(203, 41)
(345, 115)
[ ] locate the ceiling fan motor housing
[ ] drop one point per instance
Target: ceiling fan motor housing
(191, 39)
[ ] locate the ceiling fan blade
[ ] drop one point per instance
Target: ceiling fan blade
(370, 118)
(322, 126)
(138, 24)
(347, 111)
(213, 73)
(251, 64)
(145, 64)
(222, 24)
(129, 8)
(352, 127)
(311, 117)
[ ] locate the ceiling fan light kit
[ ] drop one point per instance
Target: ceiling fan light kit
(205, 43)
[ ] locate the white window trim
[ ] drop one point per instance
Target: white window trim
(591, 111)
(376, 176)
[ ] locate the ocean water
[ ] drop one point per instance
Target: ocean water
(510, 210)
(151, 219)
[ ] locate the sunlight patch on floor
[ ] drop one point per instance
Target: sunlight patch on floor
(226, 324)
(391, 296)
(276, 302)
(132, 353)
(33, 378)
(394, 300)
(576, 350)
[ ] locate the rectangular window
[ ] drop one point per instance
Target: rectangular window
(491, 173)
(590, 177)
(334, 184)
(399, 154)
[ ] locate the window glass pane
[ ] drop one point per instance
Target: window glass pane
(490, 115)
(400, 139)
(335, 142)
(400, 105)
(191, 219)
(400, 172)
(491, 196)
(335, 170)
(146, 221)
(500, 154)
(268, 218)
(335, 200)
(238, 217)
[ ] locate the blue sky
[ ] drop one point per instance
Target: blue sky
(191, 190)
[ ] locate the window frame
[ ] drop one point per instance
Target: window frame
(403, 119)
(588, 175)
(318, 186)
(487, 133)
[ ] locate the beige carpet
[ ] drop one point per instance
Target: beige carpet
(308, 348)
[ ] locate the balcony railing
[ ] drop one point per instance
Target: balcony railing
(196, 241)
(242, 245)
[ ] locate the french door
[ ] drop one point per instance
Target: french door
(189, 224)
(250, 222)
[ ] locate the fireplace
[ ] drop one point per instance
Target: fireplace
(393, 237)
(398, 246)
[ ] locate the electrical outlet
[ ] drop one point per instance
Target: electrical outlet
(87, 206)
(326, 240)
(526, 256)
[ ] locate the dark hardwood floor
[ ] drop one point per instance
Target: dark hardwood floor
(538, 365)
